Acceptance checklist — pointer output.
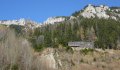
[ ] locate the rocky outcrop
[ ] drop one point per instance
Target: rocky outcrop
(21, 22)
(46, 60)
(92, 11)
(99, 11)
(53, 20)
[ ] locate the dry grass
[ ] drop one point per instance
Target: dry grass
(96, 60)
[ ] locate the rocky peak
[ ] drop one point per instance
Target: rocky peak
(101, 11)
(92, 11)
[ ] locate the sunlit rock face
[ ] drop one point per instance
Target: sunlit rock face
(92, 11)
(53, 20)
(89, 11)
(16, 22)
(101, 11)
(21, 22)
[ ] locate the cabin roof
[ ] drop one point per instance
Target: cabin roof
(81, 44)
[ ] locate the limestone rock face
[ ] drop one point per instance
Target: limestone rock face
(22, 22)
(101, 11)
(92, 11)
(53, 20)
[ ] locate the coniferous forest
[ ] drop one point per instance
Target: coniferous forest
(105, 33)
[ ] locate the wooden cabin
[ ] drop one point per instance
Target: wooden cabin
(81, 44)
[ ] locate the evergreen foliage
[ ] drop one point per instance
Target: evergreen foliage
(104, 33)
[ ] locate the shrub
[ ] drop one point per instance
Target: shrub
(86, 51)
(69, 49)
(81, 60)
(18, 29)
(38, 48)
(15, 67)
(94, 59)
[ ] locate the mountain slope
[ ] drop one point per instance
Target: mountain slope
(25, 45)
(99, 24)
(93, 23)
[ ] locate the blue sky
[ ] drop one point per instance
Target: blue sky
(40, 10)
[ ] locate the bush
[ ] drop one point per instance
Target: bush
(38, 48)
(86, 51)
(69, 49)
(81, 60)
(15, 67)
(18, 29)
(94, 59)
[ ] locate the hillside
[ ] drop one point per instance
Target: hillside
(84, 25)
(28, 45)
(98, 24)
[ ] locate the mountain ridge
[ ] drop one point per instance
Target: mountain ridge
(89, 11)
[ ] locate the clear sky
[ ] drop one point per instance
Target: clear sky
(40, 10)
